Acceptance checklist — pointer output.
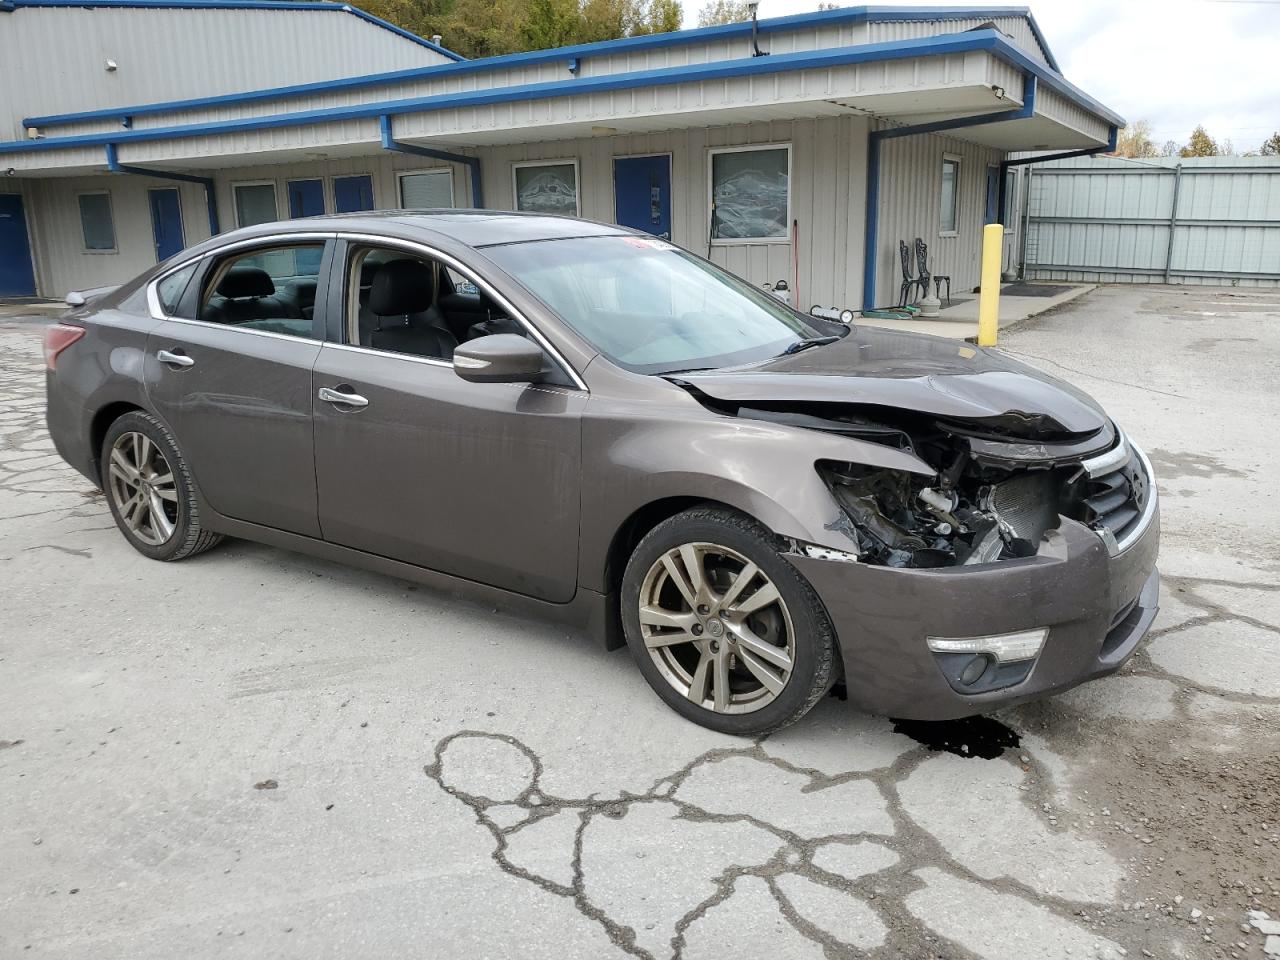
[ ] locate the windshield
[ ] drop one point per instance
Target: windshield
(651, 307)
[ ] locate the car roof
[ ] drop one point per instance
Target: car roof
(472, 228)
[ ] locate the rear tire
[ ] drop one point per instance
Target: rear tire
(150, 491)
(742, 658)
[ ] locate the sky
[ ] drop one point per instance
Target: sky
(1176, 63)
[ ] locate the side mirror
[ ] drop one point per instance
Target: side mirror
(499, 358)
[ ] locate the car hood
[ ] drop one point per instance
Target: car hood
(912, 372)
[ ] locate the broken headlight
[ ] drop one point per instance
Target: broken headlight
(901, 519)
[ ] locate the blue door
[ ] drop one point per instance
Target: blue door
(351, 194)
(306, 198)
(166, 222)
(16, 276)
(993, 195)
(642, 194)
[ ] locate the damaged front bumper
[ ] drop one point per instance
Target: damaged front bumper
(1095, 604)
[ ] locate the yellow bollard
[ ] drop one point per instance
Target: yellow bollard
(989, 298)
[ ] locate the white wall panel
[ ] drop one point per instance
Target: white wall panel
(58, 54)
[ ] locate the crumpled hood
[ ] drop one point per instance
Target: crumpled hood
(909, 371)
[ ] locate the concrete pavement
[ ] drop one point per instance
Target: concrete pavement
(258, 754)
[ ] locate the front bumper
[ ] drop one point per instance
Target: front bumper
(1097, 608)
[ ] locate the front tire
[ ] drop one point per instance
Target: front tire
(150, 491)
(723, 628)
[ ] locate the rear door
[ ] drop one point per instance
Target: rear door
(480, 481)
(230, 370)
(166, 222)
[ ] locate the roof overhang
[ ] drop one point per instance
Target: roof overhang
(908, 81)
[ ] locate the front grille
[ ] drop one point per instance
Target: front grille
(1116, 497)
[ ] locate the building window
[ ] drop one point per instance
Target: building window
(751, 194)
(547, 187)
(98, 227)
(426, 191)
(255, 203)
(1010, 210)
(948, 218)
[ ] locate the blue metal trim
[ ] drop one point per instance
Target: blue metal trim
(10, 5)
(516, 60)
(871, 226)
(982, 40)
(389, 142)
(210, 197)
(1113, 139)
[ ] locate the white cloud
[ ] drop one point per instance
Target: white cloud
(1174, 62)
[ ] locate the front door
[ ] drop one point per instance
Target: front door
(477, 480)
(17, 279)
(642, 193)
(235, 386)
(352, 194)
(166, 222)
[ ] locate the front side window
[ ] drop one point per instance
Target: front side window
(547, 188)
(96, 223)
(271, 289)
(950, 195)
(255, 203)
(651, 307)
(394, 304)
(750, 194)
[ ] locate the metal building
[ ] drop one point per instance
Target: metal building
(803, 148)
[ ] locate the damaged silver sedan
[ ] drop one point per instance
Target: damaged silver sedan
(577, 421)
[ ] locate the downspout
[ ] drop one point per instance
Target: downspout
(389, 142)
(873, 172)
(210, 196)
(1112, 139)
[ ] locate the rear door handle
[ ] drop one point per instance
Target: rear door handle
(352, 399)
(176, 359)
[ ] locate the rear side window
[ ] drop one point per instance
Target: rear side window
(271, 289)
(171, 288)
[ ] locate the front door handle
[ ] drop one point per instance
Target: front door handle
(175, 359)
(331, 395)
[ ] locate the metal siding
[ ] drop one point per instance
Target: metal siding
(910, 201)
(186, 53)
(1016, 28)
(1108, 220)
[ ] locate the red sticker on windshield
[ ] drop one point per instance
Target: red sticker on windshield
(645, 243)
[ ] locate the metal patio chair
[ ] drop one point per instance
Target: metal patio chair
(908, 281)
(922, 260)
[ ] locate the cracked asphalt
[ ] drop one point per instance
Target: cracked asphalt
(451, 781)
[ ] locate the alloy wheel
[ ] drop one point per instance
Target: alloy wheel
(143, 488)
(716, 627)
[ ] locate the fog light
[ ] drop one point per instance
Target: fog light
(974, 670)
(1004, 647)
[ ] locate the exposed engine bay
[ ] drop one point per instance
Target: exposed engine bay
(1001, 483)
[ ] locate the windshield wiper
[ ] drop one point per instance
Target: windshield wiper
(806, 344)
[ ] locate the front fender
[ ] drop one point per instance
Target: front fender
(765, 470)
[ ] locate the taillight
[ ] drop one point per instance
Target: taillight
(56, 339)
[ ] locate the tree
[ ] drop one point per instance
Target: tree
(1271, 146)
(486, 28)
(723, 11)
(1170, 148)
(1135, 141)
(1200, 144)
